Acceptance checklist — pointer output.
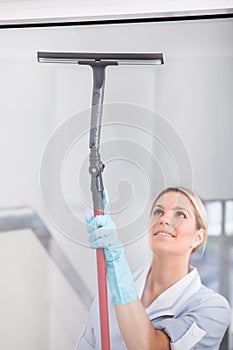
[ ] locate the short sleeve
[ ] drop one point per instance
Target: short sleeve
(201, 324)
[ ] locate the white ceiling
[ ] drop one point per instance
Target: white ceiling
(55, 11)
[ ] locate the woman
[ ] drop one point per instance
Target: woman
(164, 306)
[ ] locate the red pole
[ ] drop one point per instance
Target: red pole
(103, 298)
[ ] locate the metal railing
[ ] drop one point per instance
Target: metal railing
(20, 218)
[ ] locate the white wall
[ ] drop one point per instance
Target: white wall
(190, 95)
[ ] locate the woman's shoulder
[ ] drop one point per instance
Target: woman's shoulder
(210, 297)
(209, 307)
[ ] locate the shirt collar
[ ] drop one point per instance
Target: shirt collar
(173, 298)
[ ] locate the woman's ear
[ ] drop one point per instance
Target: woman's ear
(198, 238)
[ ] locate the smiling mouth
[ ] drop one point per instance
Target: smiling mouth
(164, 234)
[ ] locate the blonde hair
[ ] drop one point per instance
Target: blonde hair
(199, 210)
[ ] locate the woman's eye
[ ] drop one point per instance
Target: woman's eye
(181, 214)
(158, 212)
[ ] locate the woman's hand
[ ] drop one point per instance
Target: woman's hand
(103, 234)
(102, 231)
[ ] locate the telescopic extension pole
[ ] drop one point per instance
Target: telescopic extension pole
(98, 63)
(96, 169)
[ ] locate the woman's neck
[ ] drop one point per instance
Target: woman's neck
(163, 274)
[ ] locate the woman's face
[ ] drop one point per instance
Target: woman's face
(173, 225)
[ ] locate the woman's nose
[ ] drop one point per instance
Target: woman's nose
(164, 219)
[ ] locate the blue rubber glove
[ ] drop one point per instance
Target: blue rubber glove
(103, 234)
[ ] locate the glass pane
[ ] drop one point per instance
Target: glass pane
(214, 213)
(229, 218)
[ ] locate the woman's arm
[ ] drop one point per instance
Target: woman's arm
(137, 330)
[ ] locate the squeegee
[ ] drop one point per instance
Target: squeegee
(98, 62)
